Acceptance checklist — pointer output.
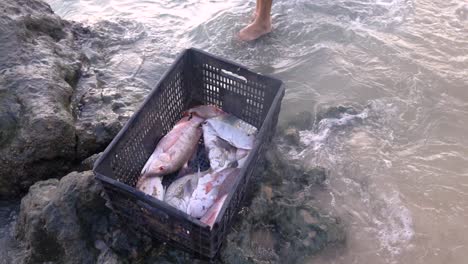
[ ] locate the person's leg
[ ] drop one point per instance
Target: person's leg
(257, 9)
(262, 23)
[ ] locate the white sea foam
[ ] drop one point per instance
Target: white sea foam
(396, 229)
(325, 127)
(374, 209)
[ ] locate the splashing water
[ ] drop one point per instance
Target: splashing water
(325, 126)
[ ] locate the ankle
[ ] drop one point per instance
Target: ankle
(263, 22)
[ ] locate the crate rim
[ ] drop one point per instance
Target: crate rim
(240, 66)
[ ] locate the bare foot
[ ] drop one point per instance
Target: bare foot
(255, 30)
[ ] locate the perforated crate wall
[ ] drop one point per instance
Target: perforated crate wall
(195, 78)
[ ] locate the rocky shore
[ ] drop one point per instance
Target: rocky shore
(57, 104)
(58, 107)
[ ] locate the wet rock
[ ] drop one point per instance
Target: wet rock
(280, 231)
(291, 136)
(38, 69)
(107, 92)
(88, 163)
(57, 219)
(292, 170)
(311, 176)
(266, 192)
(67, 221)
(335, 112)
(60, 99)
(280, 225)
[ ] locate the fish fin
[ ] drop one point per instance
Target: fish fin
(193, 157)
(188, 189)
(224, 144)
(184, 170)
(159, 191)
(191, 185)
(195, 178)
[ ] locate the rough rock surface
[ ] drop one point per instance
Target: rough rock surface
(107, 92)
(57, 220)
(58, 104)
(281, 225)
(38, 71)
(67, 221)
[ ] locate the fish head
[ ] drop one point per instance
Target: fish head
(160, 166)
(196, 120)
(159, 171)
(183, 120)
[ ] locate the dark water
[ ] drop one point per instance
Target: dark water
(399, 176)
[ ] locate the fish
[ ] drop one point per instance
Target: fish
(220, 153)
(151, 186)
(210, 188)
(171, 153)
(235, 131)
(210, 216)
(180, 191)
(241, 157)
(175, 148)
(205, 111)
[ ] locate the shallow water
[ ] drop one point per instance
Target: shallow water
(399, 179)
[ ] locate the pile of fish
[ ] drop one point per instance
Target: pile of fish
(201, 194)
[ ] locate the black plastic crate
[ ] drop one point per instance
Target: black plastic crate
(196, 77)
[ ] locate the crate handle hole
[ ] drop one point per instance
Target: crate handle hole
(233, 75)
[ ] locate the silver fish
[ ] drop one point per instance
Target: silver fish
(237, 132)
(220, 153)
(210, 188)
(180, 191)
(241, 157)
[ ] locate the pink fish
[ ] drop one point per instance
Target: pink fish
(210, 217)
(171, 153)
(205, 111)
(175, 148)
(211, 187)
(180, 191)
